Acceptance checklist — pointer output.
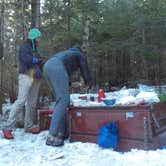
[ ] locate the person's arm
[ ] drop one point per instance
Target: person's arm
(32, 61)
(25, 56)
(85, 71)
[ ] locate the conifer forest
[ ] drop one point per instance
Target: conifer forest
(124, 40)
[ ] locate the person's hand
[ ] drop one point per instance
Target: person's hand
(36, 59)
(88, 89)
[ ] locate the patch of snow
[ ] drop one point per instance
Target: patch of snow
(30, 150)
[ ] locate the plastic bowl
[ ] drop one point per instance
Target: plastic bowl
(109, 101)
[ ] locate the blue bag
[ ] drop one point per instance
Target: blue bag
(108, 135)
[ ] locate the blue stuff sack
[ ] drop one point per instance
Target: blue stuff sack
(108, 135)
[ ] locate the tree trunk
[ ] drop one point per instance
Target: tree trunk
(69, 23)
(1, 29)
(85, 44)
(24, 26)
(35, 5)
(1, 52)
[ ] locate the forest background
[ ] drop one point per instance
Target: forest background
(124, 40)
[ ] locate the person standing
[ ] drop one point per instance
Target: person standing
(30, 64)
(56, 72)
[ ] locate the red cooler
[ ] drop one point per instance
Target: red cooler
(44, 117)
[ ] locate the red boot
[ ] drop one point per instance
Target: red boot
(7, 134)
(34, 129)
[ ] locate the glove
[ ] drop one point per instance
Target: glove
(36, 60)
(88, 89)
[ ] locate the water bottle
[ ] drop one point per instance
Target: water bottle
(100, 95)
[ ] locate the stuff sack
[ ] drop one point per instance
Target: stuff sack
(108, 135)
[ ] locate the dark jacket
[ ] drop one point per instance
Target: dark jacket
(74, 59)
(25, 60)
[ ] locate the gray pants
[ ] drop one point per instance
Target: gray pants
(57, 78)
(28, 89)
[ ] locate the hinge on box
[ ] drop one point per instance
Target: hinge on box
(145, 133)
(155, 120)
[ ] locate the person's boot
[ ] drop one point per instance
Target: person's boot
(55, 140)
(35, 129)
(7, 133)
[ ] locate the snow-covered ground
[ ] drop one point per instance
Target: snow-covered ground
(30, 150)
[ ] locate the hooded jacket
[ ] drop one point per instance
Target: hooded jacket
(74, 59)
(26, 55)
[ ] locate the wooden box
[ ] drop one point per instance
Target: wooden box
(139, 126)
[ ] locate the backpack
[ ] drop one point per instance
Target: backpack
(108, 135)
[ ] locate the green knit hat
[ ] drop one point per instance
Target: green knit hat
(34, 33)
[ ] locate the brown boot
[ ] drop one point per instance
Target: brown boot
(55, 140)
